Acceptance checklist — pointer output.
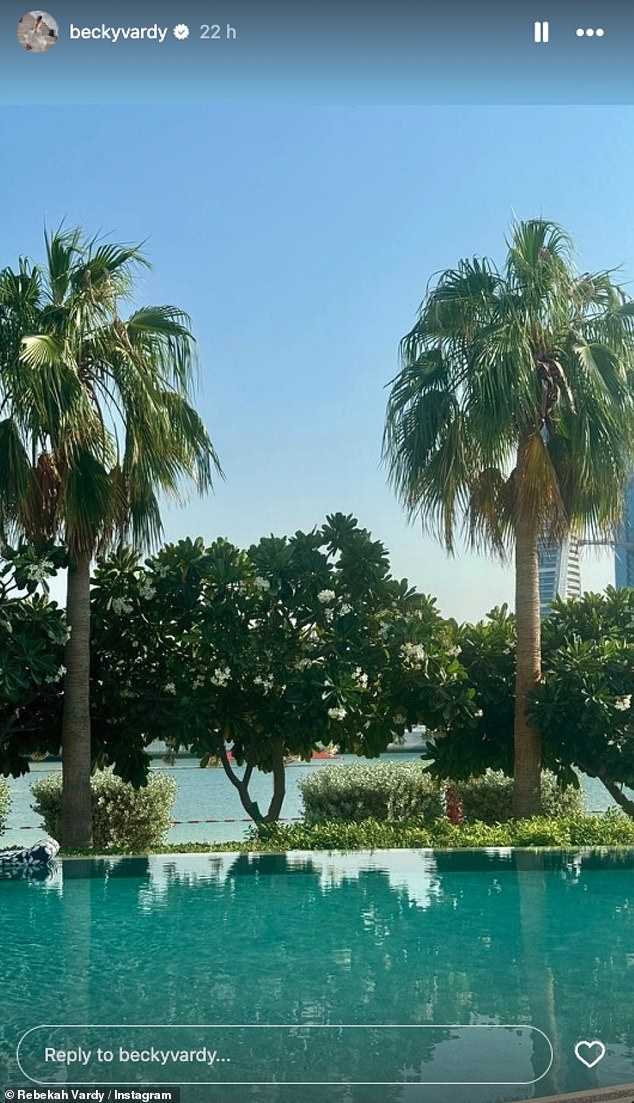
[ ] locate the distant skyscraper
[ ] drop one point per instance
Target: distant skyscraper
(559, 572)
(624, 547)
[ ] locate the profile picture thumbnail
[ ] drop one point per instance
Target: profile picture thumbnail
(37, 31)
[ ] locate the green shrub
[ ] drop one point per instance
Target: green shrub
(380, 791)
(368, 834)
(489, 798)
(565, 831)
(5, 804)
(122, 817)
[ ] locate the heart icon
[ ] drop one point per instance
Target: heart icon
(590, 1053)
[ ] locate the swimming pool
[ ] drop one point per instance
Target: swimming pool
(407, 938)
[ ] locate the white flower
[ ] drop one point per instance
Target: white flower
(37, 572)
(220, 676)
(453, 652)
(478, 713)
(345, 608)
(414, 654)
(198, 682)
(325, 596)
(623, 703)
(360, 677)
(337, 713)
(170, 688)
(120, 607)
(59, 634)
(261, 583)
(266, 683)
(146, 589)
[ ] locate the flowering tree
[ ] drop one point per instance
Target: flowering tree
(271, 652)
(487, 652)
(33, 634)
(584, 702)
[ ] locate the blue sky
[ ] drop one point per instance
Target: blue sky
(301, 240)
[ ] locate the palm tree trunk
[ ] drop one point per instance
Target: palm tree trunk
(76, 815)
(527, 771)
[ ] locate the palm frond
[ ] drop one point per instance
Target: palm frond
(62, 249)
(16, 479)
(90, 505)
(98, 405)
(491, 512)
(534, 360)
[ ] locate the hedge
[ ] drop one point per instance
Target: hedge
(380, 791)
(490, 798)
(5, 804)
(404, 791)
(122, 817)
(612, 828)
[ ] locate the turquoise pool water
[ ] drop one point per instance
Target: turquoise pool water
(402, 939)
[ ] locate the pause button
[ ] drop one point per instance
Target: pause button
(541, 32)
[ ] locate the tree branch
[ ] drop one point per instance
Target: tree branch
(618, 795)
(250, 806)
(279, 782)
(226, 765)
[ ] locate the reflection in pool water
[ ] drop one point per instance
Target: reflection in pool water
(499, 937)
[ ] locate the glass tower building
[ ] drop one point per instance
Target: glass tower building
(559, 572)
(624, 547)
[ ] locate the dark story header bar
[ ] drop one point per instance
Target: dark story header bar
(326, 51)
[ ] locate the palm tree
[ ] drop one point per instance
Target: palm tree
(95, 422)
(513, 416)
